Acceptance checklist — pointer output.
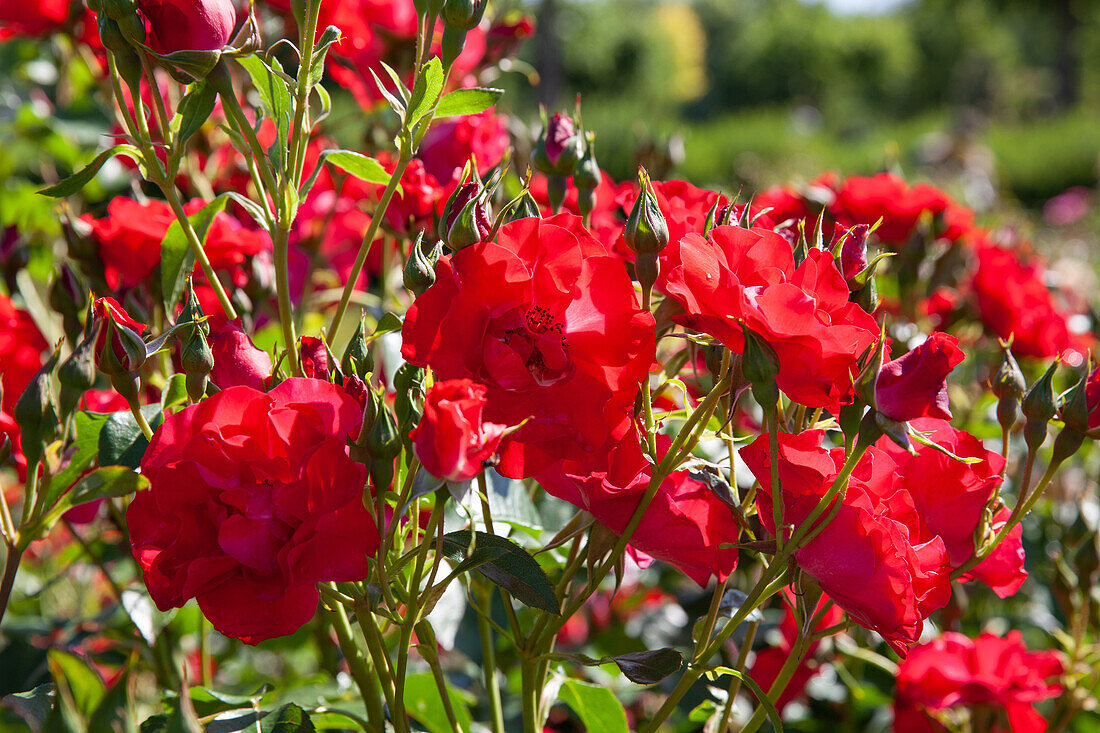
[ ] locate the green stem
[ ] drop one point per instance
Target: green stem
(531, 693)
(368, 239)
(647, 395)
(193, 241)
(489, 662)
(301, 103)
(381, 661)
(11, 567)
(282, 288)
(735, 682)
(359, 667)
(773, 446)
(239, 121)
(30, 498)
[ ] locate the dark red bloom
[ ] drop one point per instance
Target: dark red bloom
(738, 276)
(189, 25)
(991, 675)
(452, 440)
(237, 361)
(876, 558)
(1092, 398)
(547, 319)
(253, 500)
(951, 497)
(451, 142)
(915, 384)
(314, 356)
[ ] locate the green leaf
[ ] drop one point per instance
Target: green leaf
(194, 110)
(467, 101)
(81, 178)
(288, 719)
(513, 569)
(121, 442)
(758, 693)
(88, 426)
(176, 257)
(82, 682)
(317, 67)
(106, 483)
(425, 93)
(275, 98)
(113, 711)
(361, 166)
(32, 706)
(597, 707)
(175, 392)
(649, 667)
(425, 705)
(388, 323)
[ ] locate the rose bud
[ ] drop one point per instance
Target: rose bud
(1038, 408)
(466, 218)
(77, 375)
(357, 359)
(1008, 385)
(1092, 400)
(189, 25)
(915, 384)
(451, 440)
(197, 360)
(69, 297)
(408, 383)
(34, 412)
(119, 348)
(419, 272)
(560, 148)
(524, 207)
(383, 445)
(646, 232)
(237, 361)
(587, 177)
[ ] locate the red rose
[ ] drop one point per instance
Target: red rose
(189, 25)
(128, 240)
(421, 195)
(547, 319)
(1014, 301)
(992, 674)
(885, 196)
(237, 361)
(21, 347)
(32, 18)
(451, 440)
(875, 558)
(253, 500)
(684, 525)
(314, 357)
(915, 384)
(1092, 398)
(738, 275)
(951, 497)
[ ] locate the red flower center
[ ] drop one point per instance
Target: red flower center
(527, 350)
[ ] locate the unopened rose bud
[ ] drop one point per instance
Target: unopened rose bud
(1038, 408)
(559, 149)
(314, 357)
(34, 412)
(357, 359)
(69, 296)
(466, 218)
(119, 348)
(526, 207)
(646, 230)
(77, 375)
(383, 444)
(192, 312)
(463, 15)
(587, 177)
(188, 25)
(419, 272)
(197, 361)
(408, 383)
(1008, 385)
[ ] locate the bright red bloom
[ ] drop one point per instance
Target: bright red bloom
(876, 558)
(33, 18)
(237, 361)
(128, 240)
(1092, 398)
(915, 384)
(314, 357)
(21, 347)
(738, 275)
(951, 497)
(885, 196)
(1013, 301)
(547, 319)
(451, 440)
(997, 676)
(685, 524)
(253, 500)
(421, 196)
(189, 25)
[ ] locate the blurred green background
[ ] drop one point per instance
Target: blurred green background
(997, 100)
